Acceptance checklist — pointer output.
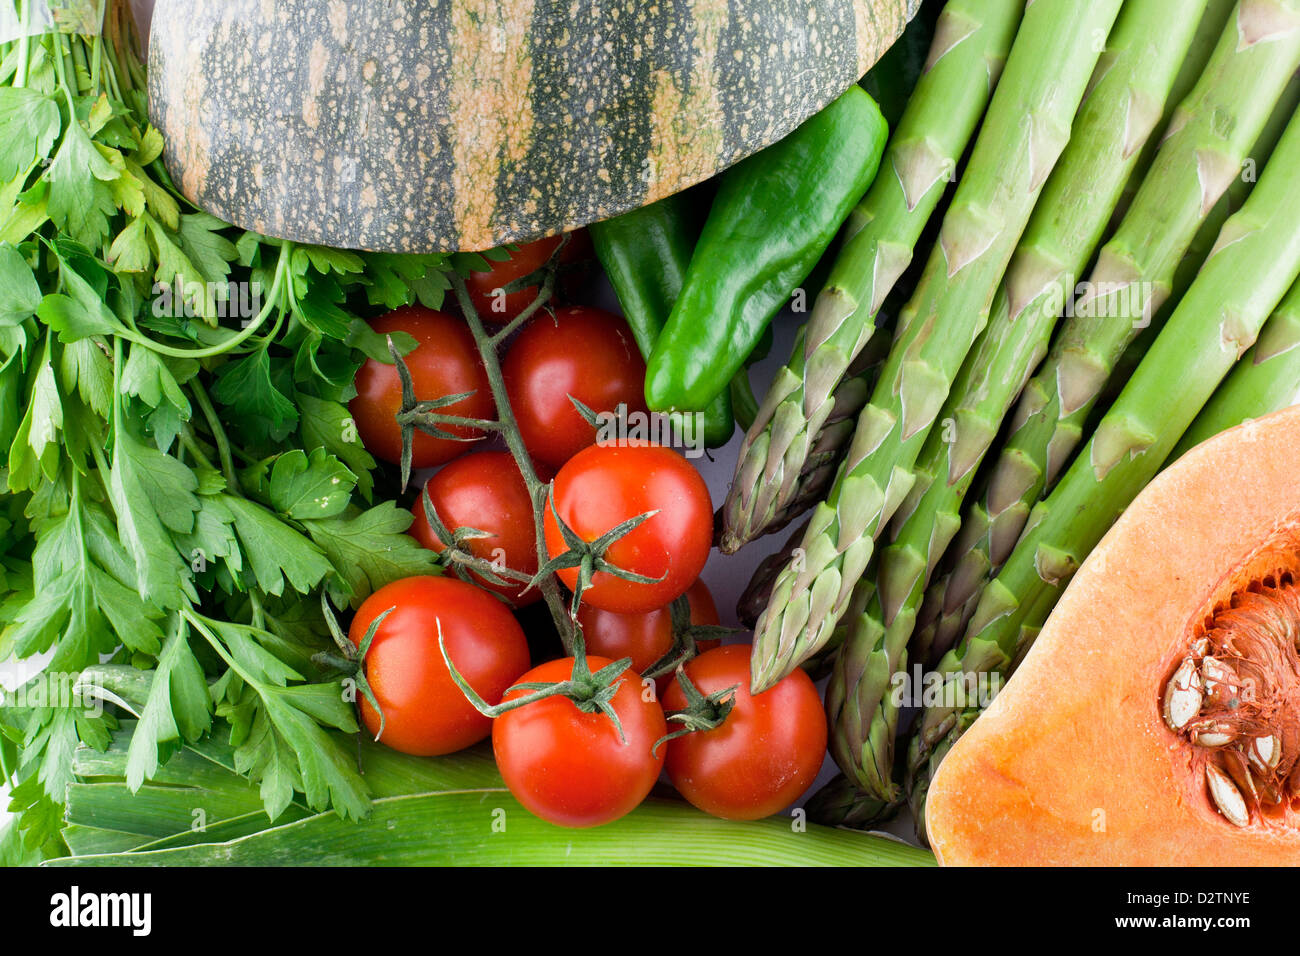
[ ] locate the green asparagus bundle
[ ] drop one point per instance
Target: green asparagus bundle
(1211, 135)
(970, 43)
(1251, 268)
(939, 625)
(1132, 81)
(1027, 127)
(1265, 380)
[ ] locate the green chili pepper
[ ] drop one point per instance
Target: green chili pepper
(774, 215)
(645, 253)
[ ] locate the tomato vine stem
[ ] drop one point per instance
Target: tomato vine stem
(508, 428)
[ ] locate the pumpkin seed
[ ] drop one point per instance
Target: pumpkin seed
(1221, 681)
(1226, 796)
(1212, 738)
(1183, 695)
(1264, 754)
(1237, 767)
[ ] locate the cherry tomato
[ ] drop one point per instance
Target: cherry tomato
(644, 637)
(497, 309)
(425, 713)
(605, 485)
(570, 767)
(766, 753)
(445, 362)
(584, 352)
(485, 491)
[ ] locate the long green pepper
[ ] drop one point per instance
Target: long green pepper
(773, 217)
(646, 254)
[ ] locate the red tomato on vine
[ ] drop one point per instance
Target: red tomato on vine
(580, 352)
(496, 308)
(485, 491)
(645, 637)
(767, 751)
(424, 712)
(571, 768)
(605, 485)
(444, 362)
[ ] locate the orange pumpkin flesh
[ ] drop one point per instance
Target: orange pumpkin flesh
(1073, 762)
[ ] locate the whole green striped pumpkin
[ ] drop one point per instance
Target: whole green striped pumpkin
(425, 125)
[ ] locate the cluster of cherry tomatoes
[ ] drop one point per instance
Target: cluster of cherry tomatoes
(567, 765)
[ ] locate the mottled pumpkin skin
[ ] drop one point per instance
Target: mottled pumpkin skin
(426, 125)
(1072, 763)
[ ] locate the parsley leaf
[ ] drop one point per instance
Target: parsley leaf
(178, 708)
(318, 486)
(80, 199)
(329, 425)
(19, 294)
(369, 549)
(79, 605)
(261, 410)
(85, 369)
(274, 550)
(35, 451)
(29, 125)
(153, 495)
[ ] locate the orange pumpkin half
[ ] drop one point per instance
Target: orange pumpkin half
(1156, 720)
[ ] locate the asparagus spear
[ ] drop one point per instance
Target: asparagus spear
(1265, 380)
(1131, 83)
(970, 43)
(1026, 128)
(1208, 32)
(841, 804)
(832, 442)
(1212, 132)
(891, 81)
(1255, 261)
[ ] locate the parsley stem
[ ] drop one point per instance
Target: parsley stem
(258, 616)
(198, 622)
(24, 41)
(98, 47)
(219, 436)
(58, 56)
(221, 348)
(192, 446)
(79, 65)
